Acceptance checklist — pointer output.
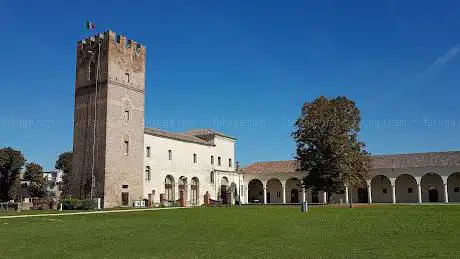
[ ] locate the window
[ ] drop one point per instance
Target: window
(170, 154)
(212, 160)
(229, 162)
(148, 151)
(409, 190)
(194, 158)
(212, 177)
(147, 173)
(126, 147)
(218, 161)
(278, 194)
(384, 190)
(124, 186)
(126, 115)
(456, 189)
(126, 77)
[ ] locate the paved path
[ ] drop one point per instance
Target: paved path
(85, 212)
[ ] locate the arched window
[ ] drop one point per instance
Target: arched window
(147, 173)
(169, 188)
(212, 177)
(195, 190)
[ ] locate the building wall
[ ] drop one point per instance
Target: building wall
(182, 165)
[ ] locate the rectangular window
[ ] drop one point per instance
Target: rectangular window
(212, 160)
(148, 151)
(147, 173)
(170, 154)
(409, 190)
(456, 189)
(127, 77)
(126, 115)
(124, 186)
(194, 158)
(126, 147)
(384, 190)
(219, 161)
(229, 162)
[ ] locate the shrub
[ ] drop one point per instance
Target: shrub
(77, 204)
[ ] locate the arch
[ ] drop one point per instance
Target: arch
(195, 195)
(169, 188)
(293, 190)
(224, 181)
(453, 187)
(406, 189)
(234, 189)
(432, 188)
(381, 189)
(274, 189)
(255, 191)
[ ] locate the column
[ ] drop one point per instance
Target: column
(393, 193)
(418, 179)
(265, 195)
(369, 191)
(324, 197)
(304, 199)
(346, 194)
(188, 196)
(284, 194)
(246, 194)
(446, 192)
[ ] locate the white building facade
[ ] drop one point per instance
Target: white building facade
(402, 178)
(195, 162)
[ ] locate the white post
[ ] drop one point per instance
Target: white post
(304, 199)
(446, 192)
(369, 191)
(393, 193)
(346, 194)
(419, 188)
(284, 194)
(265, 195)
(246, 194)
(324, 197)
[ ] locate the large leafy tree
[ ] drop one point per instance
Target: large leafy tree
(37, 183)
(64, 163)
(328, 149)
(11, 163)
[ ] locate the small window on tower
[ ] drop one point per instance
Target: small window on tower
(230, 162)
(126, 115)
(170, 154)
(126, 147)
(212, 160)
(194, 158)
(219, 162)
(148, 151)
(127, 77)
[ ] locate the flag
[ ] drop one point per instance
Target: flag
(90, 25)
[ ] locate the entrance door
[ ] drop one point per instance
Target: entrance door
(268, 197)
(362, 195)
(294, 196)
(433, 195)
(223, 194)
(124, 198)
(314, 196)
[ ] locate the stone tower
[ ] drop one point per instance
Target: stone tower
(113, 171)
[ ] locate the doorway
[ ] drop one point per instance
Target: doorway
(314, 196)
(433, 195)
(363, 195)
(294, 196)
(124, 198)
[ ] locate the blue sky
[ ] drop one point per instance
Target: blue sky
(244, 68)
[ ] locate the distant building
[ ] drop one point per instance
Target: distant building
(53, 181)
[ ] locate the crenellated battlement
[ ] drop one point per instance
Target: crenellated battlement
(111, 37)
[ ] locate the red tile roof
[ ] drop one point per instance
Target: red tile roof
(414, 160)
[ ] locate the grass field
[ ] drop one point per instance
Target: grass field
(248, 232)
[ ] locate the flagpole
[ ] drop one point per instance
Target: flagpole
(95, 120)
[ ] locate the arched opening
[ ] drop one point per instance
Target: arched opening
(406, 189)
(432, 188)
(169, 188)
(234, 191)
(274, 191)
(381, 189)
(453, 187)
(255, 191)
(223, 190)
(293, 190)
(195, 191)
(183, 187)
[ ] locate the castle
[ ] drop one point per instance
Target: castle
(117, 159)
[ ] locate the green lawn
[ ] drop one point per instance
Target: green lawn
(248, 232)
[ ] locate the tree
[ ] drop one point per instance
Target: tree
(11, 163)
(328, 150)
(64, 163)
(36, 180)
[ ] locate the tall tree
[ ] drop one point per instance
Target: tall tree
(11, 163)
(328, 150)
(37, 183)
(64, 163)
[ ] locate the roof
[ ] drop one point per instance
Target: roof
(178, 136)
(413, 160)
(204, 132)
